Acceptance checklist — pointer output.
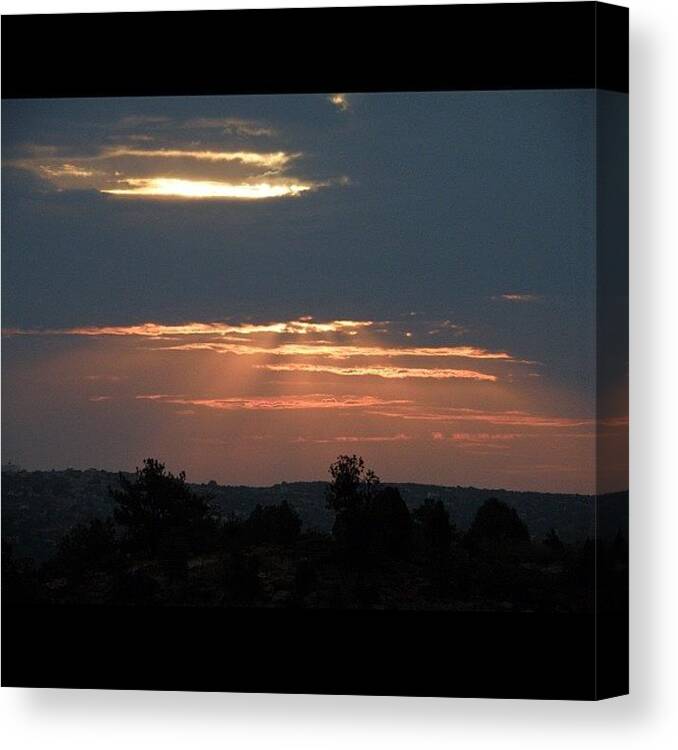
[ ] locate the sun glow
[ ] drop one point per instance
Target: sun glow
(170, 187)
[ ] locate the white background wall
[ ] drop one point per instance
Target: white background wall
(649, 717)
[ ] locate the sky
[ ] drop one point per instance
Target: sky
(247, 287)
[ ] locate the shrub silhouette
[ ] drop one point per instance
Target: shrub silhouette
(157, 506)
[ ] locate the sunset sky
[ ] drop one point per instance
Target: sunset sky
(246, 287)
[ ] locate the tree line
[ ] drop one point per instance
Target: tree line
(166, 544)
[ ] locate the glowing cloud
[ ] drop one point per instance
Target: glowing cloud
(344, 351)
(340, 101)
(67, 170)
(503, 418)
(174, 169)
(396, 373)
(168, 187)
(274, 160)
(301, 326)
(399, 438)
(264, 403)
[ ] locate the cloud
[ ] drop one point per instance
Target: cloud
(399, 438)
(165, 187)
(301, 326)
(106, 378)
(174, 167)
(67, 170)
(274, 160)
(228, 125)
(340, 101)
(383, 371)
(342, 351)
(512, 418)
(284, 403)
(518, 297)
(329, 347)
(135, 121)
(231, 125)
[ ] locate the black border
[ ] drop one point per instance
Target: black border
(402, 48)
(336, 652)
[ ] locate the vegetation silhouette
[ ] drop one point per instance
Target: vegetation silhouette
(166, 545)
(497, 530)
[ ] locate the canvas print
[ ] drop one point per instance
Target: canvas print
(320, 352)
(310, 351)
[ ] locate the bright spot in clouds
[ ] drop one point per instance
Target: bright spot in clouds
(340, 101)
(168, 187)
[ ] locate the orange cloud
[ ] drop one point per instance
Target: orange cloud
(345, 351)
(399, 438)
(264, 403)
(504, 418)
(383, 371)
(227, 338)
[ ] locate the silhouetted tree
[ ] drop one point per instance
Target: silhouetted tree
(554, 544)
(156, 505)
(496, 529)
(432, 528)
(352, 484)
(348, 495)
(390, 524)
